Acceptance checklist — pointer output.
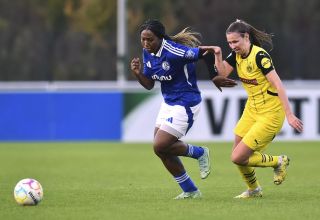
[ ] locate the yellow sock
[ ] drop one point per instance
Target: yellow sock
(249, 176)
(258, 159)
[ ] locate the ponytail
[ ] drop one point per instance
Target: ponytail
(257, 37)
(187, 37)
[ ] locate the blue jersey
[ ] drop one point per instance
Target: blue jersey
(174, 67)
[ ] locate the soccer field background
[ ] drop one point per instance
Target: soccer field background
(107, 180)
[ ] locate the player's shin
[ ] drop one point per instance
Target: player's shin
(258, 159)
(249, 176)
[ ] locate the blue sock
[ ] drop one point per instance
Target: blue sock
(194, 151)
(186, 183)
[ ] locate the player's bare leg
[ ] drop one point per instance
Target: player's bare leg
(163, 142)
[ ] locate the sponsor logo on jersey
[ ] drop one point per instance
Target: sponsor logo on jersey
(165, 65)
(266, 63)
(249, 81)
(161, 78)
(149, 64)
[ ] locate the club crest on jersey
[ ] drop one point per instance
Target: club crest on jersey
(165, 65)
(189, 54)
(249, 68)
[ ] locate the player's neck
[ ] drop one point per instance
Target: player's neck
(158, 48)
(247, 51)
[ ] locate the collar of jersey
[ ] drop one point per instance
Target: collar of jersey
(158, 54)
(251, 46)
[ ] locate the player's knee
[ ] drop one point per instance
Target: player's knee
(238, 160)
(159, 149)
(233, 159)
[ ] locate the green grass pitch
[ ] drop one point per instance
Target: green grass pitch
(127, 181)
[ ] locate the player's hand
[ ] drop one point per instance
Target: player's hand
(136, 66)
(220, 81)
(213, 49)
(295, 122)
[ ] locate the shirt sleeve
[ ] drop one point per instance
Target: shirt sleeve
(264, 62)
(146, 65)
(231, 59)
(181, 53)
(191, 54)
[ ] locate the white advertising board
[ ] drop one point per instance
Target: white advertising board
(220, 113)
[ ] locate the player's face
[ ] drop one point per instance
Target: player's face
(150, 41)
(238, 42)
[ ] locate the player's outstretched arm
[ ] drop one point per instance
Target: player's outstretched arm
(218, 79)
(222, 66)
(136, 71)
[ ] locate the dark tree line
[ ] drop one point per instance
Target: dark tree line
(76, 39)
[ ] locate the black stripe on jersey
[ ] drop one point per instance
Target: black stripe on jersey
(264, 62)
(231, 59)
(272, 93)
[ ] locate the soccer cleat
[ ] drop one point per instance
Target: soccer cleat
(250, 194)
(189, 195)
(280, 171)
(204, 163)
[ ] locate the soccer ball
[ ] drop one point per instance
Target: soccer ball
(28, 192)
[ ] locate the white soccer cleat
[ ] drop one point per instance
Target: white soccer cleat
(204, 163)
(189, 195)
(250, 194)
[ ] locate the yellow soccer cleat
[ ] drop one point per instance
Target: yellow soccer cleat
(257, 192)
(280, 171)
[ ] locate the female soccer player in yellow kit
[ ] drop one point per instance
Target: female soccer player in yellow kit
(267, 104)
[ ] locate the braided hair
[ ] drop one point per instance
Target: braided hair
(185, 37)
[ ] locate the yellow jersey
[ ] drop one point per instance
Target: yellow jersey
(252, 71)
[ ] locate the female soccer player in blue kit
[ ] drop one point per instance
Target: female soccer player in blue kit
(170, 60)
